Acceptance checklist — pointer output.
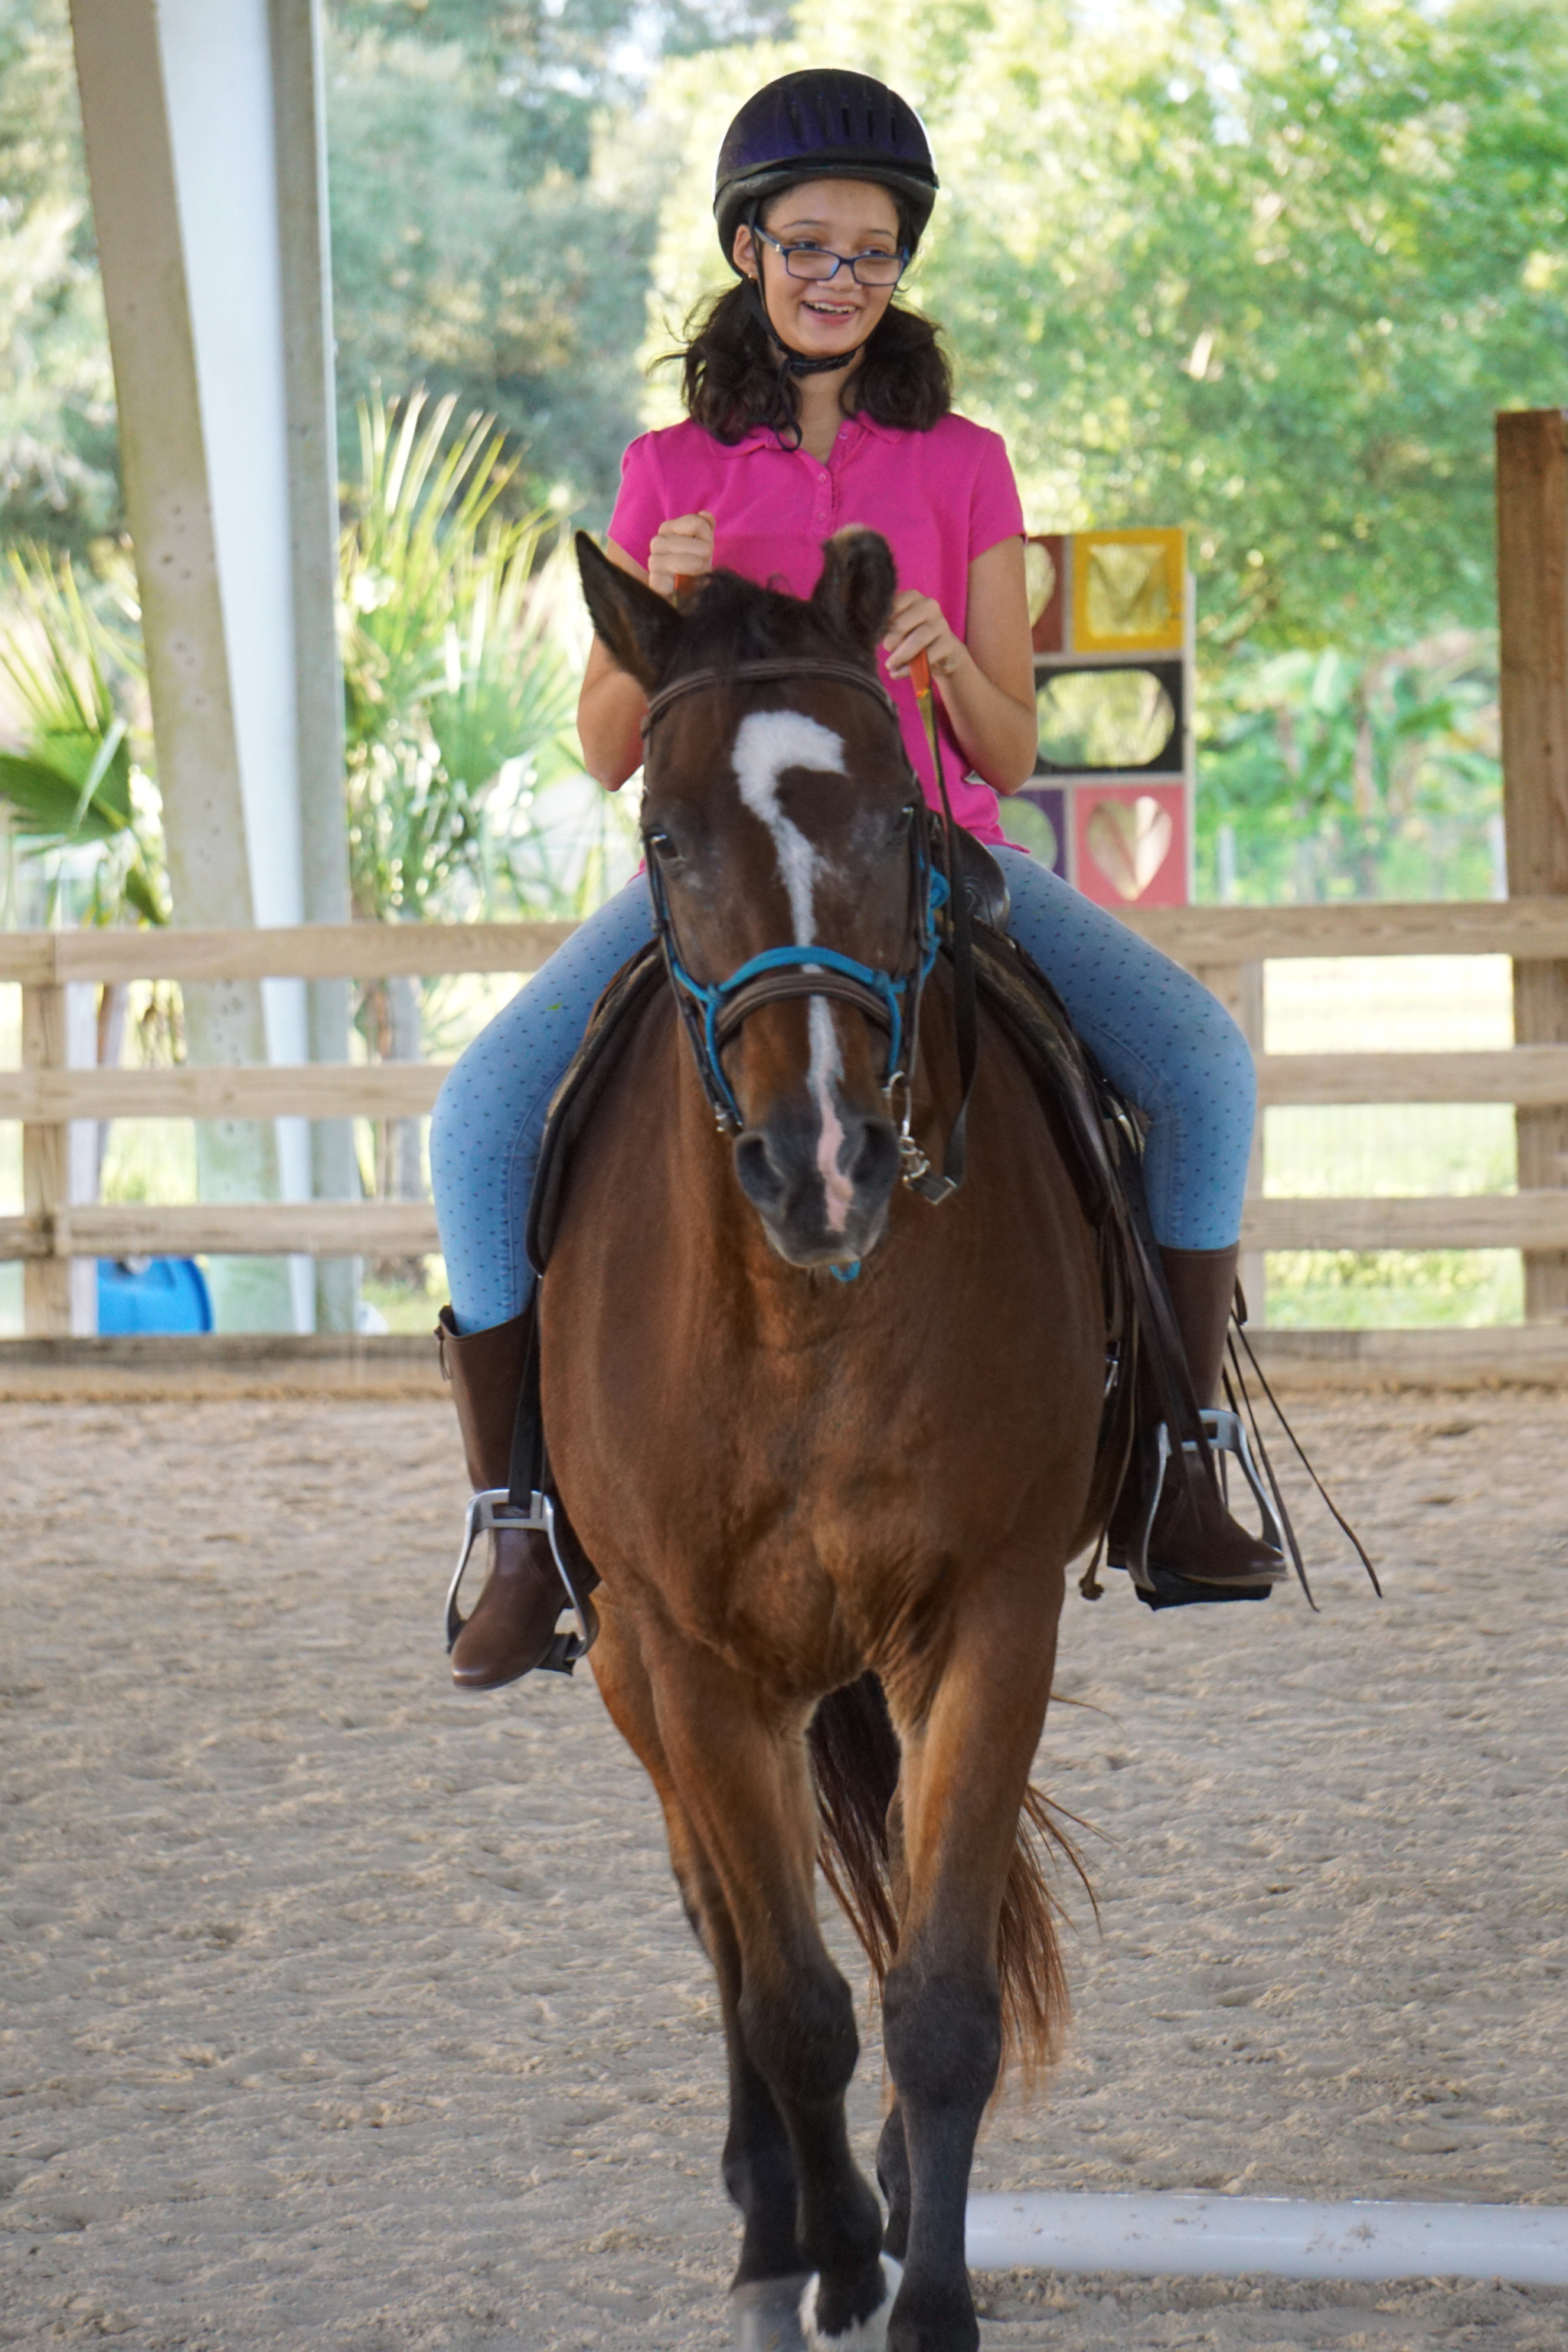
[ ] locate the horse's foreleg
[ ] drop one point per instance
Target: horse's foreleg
(967, 1756)
(744, 1785)
(758, 2163)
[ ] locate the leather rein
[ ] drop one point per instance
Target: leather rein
(713, 1013)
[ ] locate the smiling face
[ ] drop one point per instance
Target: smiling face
(846, 216)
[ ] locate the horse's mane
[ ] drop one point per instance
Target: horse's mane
(731, 620)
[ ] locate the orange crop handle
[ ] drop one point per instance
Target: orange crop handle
(919, 679)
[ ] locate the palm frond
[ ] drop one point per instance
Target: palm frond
(69, 786)
(459, 692)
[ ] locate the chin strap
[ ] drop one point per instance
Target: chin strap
(794, 363)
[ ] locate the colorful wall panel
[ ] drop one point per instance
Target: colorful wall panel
(1111, 617)
(1129, 844)
(1039, 819)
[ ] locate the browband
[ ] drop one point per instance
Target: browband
(779, 666)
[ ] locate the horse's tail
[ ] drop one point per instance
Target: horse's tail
(855, 1762)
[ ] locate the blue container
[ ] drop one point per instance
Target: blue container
(156, 1294)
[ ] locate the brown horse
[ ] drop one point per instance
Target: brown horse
(810, 1495)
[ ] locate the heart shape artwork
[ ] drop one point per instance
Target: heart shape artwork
(1129, 841)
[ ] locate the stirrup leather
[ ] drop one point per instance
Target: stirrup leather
(492, 1508)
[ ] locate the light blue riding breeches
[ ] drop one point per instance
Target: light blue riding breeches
(1162, 1038)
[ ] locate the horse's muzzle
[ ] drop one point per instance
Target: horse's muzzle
(823, 1198)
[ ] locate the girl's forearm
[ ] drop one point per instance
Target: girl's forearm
(996, 735)
(609, 722)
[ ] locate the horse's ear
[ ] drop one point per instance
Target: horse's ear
(855, 593)
(636, 627)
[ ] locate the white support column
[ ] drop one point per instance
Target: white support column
(304, 247)
(217, 76)
(184, 152)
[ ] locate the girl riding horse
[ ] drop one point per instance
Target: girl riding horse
(815, 401)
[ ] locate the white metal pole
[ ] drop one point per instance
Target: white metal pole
(299, 130)
(188, 622)
(1165, 2236)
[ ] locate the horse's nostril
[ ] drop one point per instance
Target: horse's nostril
(877, 1159)
(761, 1178)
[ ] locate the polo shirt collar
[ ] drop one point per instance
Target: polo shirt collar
(762, 437)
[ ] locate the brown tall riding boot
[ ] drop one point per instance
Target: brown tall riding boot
(1192, 1533)
(514, 1620)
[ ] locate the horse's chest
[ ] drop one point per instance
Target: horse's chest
(790, 1491)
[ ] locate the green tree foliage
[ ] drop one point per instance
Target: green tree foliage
(1355, 778)
(58, 466)
(493, 210)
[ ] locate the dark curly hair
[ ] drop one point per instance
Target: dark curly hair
(733, 381)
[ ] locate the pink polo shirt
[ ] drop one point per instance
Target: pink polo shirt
(938, 498)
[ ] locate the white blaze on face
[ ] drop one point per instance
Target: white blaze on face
(766, 744)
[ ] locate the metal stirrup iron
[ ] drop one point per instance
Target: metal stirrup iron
(1225, 1434)
(493, 1509)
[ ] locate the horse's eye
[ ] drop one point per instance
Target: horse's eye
(658, 842)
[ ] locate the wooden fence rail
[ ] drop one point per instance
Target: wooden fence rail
(1227, 946)
(1528, 1075)
(1532, 929)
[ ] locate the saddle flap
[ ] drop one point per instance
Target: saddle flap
(1067, 1083)
(611, 1026)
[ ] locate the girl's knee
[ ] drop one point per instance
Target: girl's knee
(1220, 1048)
(468, 1121)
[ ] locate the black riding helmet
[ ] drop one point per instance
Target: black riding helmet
(825, 123)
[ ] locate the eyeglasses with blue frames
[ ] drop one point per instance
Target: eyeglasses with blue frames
(815, 262)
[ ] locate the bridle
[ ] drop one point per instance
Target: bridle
(715, 1012)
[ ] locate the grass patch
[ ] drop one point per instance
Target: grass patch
(1393, 1289)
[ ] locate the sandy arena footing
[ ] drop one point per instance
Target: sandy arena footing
(341, 2012)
